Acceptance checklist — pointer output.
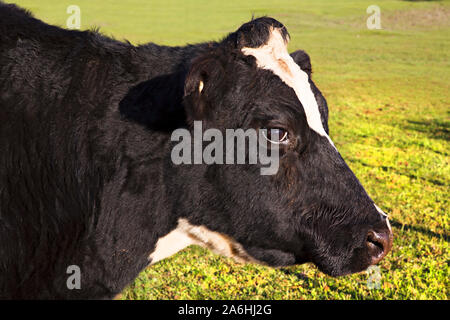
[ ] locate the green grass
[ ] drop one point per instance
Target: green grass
(388, 92)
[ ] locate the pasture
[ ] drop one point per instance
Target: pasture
(388, 94)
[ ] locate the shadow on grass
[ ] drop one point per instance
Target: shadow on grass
(301, 277)
(423, 230)
(407, 174)
(434, 129)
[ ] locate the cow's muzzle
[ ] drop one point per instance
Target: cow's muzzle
(378, 244)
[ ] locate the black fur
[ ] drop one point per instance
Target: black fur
(85, 172)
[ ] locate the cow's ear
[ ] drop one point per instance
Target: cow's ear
(302, 59)
(156, 103)
(202, 84)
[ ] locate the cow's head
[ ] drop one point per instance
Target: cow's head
(314, 209)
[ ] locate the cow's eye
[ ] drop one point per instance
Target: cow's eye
(276, 135)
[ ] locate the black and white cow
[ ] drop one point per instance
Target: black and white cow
(86, 177)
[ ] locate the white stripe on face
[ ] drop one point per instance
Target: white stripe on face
(274, 56)
(385, 216)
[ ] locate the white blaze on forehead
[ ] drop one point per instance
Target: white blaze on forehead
(274, 56)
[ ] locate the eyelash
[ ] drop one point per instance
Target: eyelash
(284, 137)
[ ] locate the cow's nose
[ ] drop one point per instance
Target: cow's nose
(378, 244)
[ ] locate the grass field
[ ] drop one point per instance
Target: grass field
(388, 92)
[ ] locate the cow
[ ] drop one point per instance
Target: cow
(87, 181)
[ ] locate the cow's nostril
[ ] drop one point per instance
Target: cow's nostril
(378, 244)
(374, 239)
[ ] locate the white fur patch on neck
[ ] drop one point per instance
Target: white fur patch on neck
(174, 241)
(274, 56)
(186, 234)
